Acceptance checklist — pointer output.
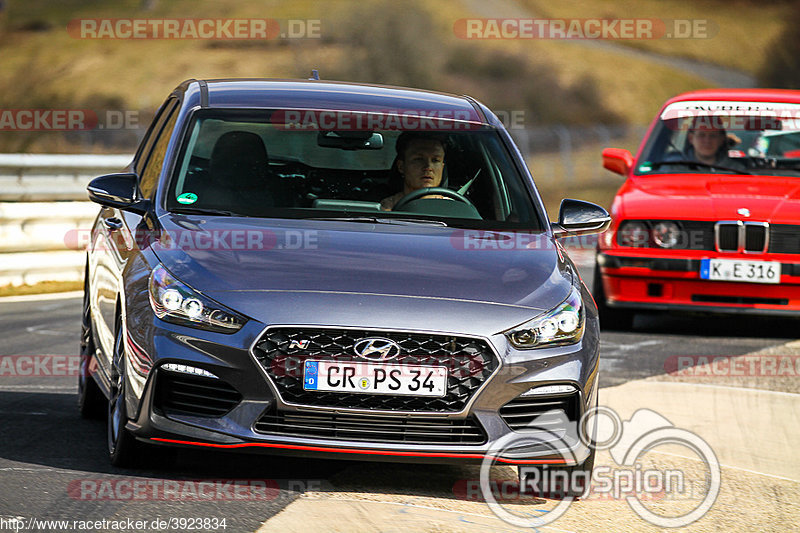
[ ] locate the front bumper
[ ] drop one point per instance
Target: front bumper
(229, 357)
(673, 283)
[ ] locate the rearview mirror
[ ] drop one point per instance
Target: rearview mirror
(117, 190)
(350, 140)
(576, 217)
(617, 160)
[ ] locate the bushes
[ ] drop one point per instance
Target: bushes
(506, 80)
(399, 43)
(781, 67)
(394, 43)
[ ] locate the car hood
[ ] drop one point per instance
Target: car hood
(326, 270)
(774, 199)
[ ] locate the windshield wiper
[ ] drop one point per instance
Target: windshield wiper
(346, 218)
(382, 220)
(423, 221)
(690, 163)
(201, 211)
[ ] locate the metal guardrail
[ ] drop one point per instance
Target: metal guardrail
(43, 210)
(47, 178)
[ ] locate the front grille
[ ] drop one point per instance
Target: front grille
(755, 238)
(695, 235)
(185, 394)
(469, 363)
(372, 428)
(728, 237)
(784, 239)
(738, 236)
(701, 235)
(522, 411)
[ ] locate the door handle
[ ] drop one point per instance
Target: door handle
(112, 223)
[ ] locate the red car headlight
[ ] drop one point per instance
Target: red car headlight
(633, 233)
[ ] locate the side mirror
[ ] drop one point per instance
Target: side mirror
(117, 190)
(576, 217)
(617, 160)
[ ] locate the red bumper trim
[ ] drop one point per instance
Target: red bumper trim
(359, 451)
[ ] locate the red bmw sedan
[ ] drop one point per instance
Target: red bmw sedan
(708, 218)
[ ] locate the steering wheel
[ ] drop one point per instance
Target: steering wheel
(419, 193)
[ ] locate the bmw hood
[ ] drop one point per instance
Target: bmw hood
(773, 199)
(244, 262)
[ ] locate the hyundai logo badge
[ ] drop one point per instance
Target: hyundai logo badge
(376, 349)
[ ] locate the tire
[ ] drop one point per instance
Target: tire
(123, 448)
(610, 318)
(581, 473)
(91, 401)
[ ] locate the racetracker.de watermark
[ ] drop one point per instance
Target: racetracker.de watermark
(733, 366)
(206, 240)
(23, 366)
(384, 119)
(293, 366)
(494, 241)
(67, 120)
(128, 489)
(194, 28)
(584, 28)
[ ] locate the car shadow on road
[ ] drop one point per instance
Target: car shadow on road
(708, 325)
(45, 429)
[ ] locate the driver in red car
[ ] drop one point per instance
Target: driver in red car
(710, 146)
(420, 161)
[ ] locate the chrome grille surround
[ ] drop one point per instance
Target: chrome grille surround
(750, 237)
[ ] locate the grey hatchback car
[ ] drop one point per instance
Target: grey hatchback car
(333, 270)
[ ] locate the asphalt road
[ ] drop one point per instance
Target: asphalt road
(49, 455)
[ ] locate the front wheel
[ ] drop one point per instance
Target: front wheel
(123, 449)
(91, 402)
(610, 317)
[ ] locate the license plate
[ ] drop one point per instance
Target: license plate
(375, 378)
(738, 270)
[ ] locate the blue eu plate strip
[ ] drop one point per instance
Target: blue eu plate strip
(704, 268)
(310, 379)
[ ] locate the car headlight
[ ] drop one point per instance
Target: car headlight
(666, 234)
(633, 233)
(173, 301)
(559, 326)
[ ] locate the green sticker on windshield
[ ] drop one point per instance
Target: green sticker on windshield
(645, 167)
(187, 198)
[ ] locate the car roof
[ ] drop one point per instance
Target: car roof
(754, 95)
(328, 95)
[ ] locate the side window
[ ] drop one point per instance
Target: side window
(149, 136)
(148, 179)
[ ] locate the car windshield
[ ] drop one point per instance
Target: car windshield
(276, 163)
(724, 137)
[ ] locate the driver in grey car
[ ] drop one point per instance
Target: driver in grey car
(420, 161)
